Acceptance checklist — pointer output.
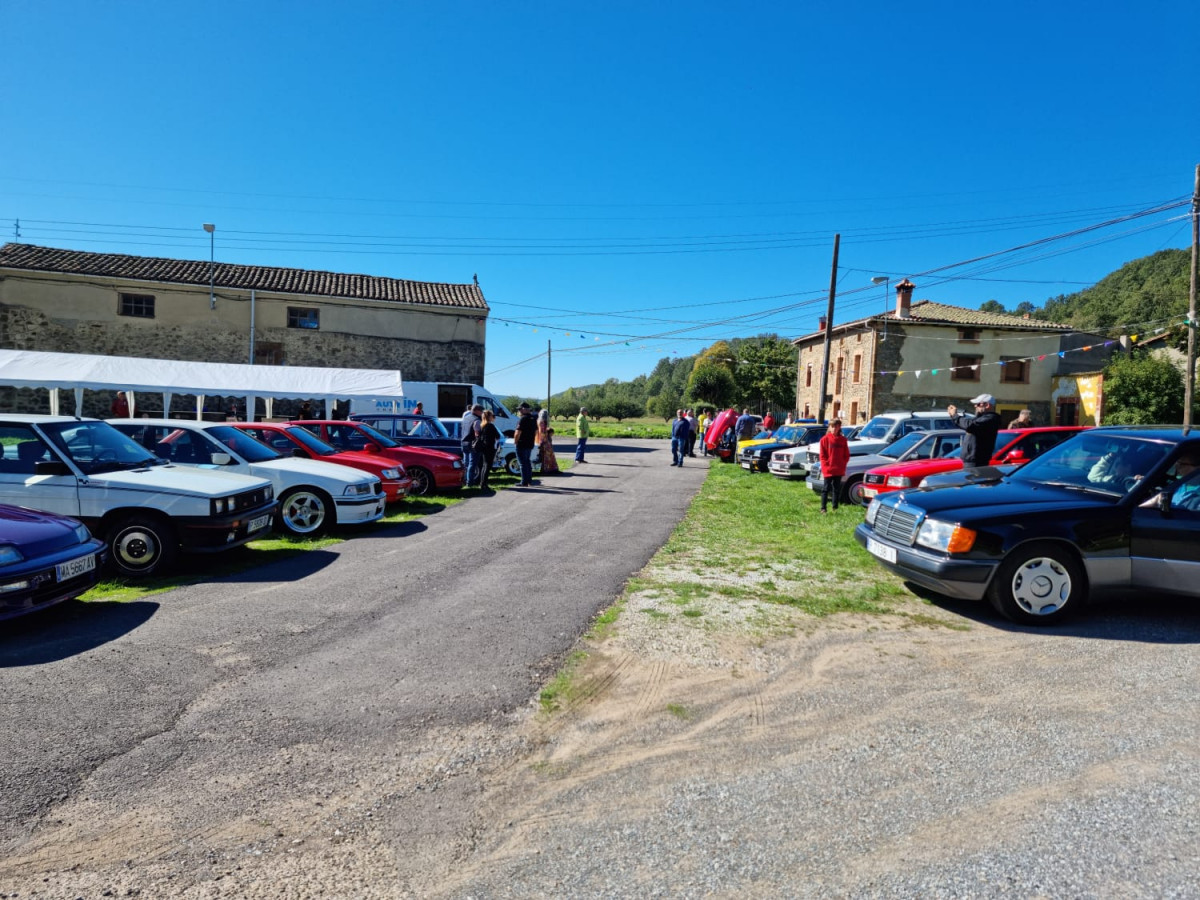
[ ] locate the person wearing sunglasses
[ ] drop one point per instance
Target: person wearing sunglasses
(979, 443)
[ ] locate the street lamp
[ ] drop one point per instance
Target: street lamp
(211, 229)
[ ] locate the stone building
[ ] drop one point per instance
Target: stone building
(927, 355)
(72, 301)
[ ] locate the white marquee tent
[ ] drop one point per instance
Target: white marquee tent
(79, 372)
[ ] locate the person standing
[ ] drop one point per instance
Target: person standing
(583, 430)
(468, 435)
(419, 409)
(489, 441)
(524, 437)
(979, 443)
(679, 438)
(693, 427)
(120, 406)
(1022, 420)
(834, 453)
(701, 429)
(768, 422)
(305, 411)
(545, 442)
(745, 426)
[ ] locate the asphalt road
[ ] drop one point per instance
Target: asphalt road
(137, 734)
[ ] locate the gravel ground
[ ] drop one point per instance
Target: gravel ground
(753, 752)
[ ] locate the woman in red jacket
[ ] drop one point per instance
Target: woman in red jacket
(835, 453)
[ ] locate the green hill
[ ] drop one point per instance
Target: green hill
(1145, 292)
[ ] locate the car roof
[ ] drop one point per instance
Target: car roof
(41, 417)
(173, 423)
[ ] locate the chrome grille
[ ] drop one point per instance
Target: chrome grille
(898, 522)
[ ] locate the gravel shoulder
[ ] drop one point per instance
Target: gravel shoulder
(755, 752)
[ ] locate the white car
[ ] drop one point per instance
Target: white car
(144, 509)
(313, 495)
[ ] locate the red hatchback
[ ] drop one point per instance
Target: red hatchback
(1015, 446)
(429, 469)
(291, 440)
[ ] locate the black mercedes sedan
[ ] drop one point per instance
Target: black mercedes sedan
(1110, 510)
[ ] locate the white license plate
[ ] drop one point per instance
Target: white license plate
(258, 524)
(75, 567)
(881, 550)
(869, 492)
(747, 465)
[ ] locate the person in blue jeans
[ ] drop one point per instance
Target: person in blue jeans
(679, 438)
(469, 434)
(582, 431)
(525, 436)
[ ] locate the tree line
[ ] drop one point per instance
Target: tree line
(758, 373)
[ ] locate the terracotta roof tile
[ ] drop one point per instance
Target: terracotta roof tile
(926, 312)
(227, 275)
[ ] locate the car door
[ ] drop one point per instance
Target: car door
(22, 450)
(1164, 544)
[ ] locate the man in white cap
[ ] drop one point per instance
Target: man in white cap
(980, 441)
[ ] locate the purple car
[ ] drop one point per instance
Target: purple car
(44, 559)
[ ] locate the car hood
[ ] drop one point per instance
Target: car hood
(1006, 498)
(36, 533)
(314, 469)
(184, 480)
(769, 446)
(356, 459)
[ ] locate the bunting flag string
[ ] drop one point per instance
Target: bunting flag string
(974, 367)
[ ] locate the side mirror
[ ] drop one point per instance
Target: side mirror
(222, 459)
(370, 448)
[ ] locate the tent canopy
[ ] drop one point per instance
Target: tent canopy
(79, 372)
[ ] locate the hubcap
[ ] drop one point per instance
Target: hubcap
(1041, 586)
(304, 513)
(136, 548)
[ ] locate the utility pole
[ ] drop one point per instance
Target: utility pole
(837, 240)
(547, 376)
(1189, 383)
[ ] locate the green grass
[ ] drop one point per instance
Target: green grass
(607, 429)
(766, 538)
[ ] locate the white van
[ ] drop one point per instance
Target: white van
(441, 399)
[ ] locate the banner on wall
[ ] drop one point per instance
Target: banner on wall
(1091, 396)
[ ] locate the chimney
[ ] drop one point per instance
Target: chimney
(821, 323)
(904, 298)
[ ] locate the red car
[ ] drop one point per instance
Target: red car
(429, 469)
(1014, 446)
(292, 440)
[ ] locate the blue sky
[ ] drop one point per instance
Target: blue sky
(629, 181)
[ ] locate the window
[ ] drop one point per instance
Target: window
(968, 335)
(841, 365)
(298, 317)
(808, 376)
(964, 368)
(854, 412)
(140, 306)
(268, 353)
(1068, 413)
(856, 372)
(1014, 371)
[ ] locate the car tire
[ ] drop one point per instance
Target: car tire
(512, 465)
(422, 482)
(140, 546)
(853, 492)
(1038, 584)
(305, 512)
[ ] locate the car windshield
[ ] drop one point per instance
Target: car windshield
(241, 444)
(898, 448)
(310, 441)
(98, 447)
(789, 433)
(378, 436)
(877, 429)
(1095, 461)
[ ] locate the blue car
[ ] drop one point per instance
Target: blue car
(44, 559)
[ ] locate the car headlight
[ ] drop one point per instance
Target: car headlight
(391, 474)
(270, 492)
(899, 481)
(946, 537)
(220, 505)
(872, 511)
(82, 535)
(9, 555)
(355, 490)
